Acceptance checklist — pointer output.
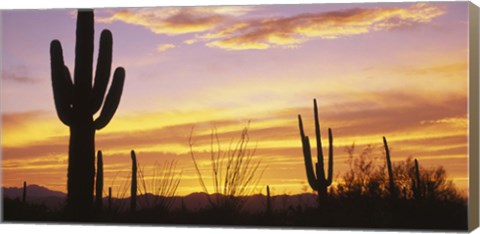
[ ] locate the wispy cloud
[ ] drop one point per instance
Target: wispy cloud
(19, 78)
(450, 69)
(176, 20)
(27, 128)
(165, 47)
(20, 118)
(290, 31)
(219, 27)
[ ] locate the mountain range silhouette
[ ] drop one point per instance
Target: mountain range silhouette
(55, 200)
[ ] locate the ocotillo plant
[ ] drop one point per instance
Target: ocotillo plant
(99, 181)
(317, 181)
(133, 190)
(416, 183)
(76, 102)
(391, 184)
(269, 202)
(24, 195)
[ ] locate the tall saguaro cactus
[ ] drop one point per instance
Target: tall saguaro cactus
(77, 101)
(391, 185)
(99, 181)
(317, 181)
(133, 187)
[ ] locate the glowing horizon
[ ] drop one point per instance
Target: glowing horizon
(398, 70)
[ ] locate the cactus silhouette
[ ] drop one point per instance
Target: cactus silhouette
(317, 181)
(99, 181)
(24, 195)
(416, 183)
(133, 191)
(391, 183)
(77, 101)
(109, 199)
(269, 202)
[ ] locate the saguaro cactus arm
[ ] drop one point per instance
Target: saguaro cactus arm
(112, 100)
(307, 156)
(330, 157)
(320, 170)
(102, 73)
(61, 83)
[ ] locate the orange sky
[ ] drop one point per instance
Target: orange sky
(390, 69)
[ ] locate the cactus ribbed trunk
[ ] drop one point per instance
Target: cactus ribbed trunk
(81, 169)
(99, 182)
(133, 191)
(24, 194)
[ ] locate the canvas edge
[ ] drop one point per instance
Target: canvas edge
(1, 122)
(474, 117)
(474, 101)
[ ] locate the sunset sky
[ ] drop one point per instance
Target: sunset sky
(387, 69)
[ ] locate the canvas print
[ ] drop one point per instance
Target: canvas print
(302, 116)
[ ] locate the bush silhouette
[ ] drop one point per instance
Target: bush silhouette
(364, 177)
(367, 177)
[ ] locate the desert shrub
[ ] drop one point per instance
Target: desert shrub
(159, 187)
(367, 177)
(234, 172)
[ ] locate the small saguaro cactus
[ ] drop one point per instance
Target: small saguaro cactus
(133, 190)
(76, 103)
(317, 181)
(99, 181)
(416, 183)
(391, 183)
(24, 195)
(109, 198)
(269, 201)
